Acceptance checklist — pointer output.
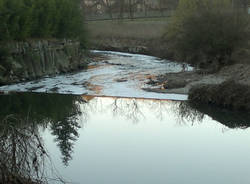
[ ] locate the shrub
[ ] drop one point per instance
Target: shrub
(229, 94)
(207, 31)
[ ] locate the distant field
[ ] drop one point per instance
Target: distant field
(141, 29)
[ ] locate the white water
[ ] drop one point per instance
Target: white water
(101, 80)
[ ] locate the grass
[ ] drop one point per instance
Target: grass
(138, 29)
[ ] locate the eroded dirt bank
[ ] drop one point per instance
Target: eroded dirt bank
(228, 88)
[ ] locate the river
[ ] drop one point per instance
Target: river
(119, 74)
(111, 136)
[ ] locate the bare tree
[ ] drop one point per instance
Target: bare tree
(23, 158)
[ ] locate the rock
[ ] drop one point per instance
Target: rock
(172, 84)
(55, 89)
(121, 80)
(35, 88)
(37, 58)
(152, 82)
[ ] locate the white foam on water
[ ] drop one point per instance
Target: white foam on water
(133, 69)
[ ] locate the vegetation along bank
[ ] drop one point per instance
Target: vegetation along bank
(214, 35)
(39, 38)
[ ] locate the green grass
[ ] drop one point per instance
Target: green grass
(138, 29)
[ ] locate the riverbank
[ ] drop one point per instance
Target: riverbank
(227, 88)
(33, 59)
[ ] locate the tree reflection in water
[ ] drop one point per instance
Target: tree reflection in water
(185, 113)
(66, 133)
(59, 112)
(23, 115)
(127, 108)
(231, 119)
(23, 157)
(134, 109)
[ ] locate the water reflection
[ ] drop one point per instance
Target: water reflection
(226, 117)
(58, 112)
(186, 114)
(155, 141)
(66, 133)
(65, 115)
(43, 108)
(23, 157)
(132, 109)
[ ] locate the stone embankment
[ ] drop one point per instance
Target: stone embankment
(30, 60)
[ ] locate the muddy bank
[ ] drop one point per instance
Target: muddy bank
(229, 88)
(23, 61)
(181, 82)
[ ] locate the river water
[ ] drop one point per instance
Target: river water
(119, 74)
(93, 139)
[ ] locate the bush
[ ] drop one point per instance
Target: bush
(207, 31)
(24, 19)
(229, 94)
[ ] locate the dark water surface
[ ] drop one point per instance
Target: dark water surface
(97, 140)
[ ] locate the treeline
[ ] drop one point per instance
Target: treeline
(112, 9)
(24, 19)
